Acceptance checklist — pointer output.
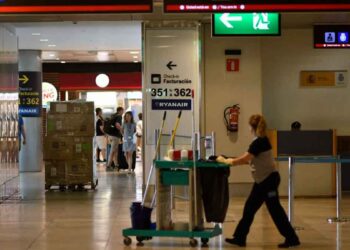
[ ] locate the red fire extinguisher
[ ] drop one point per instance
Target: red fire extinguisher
(231, 115)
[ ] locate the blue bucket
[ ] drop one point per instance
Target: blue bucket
(140, 216)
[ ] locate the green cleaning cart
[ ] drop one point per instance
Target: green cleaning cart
(178, 173)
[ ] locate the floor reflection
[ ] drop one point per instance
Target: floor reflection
(95, 219)
(9, 181)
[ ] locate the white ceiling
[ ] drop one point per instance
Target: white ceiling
(82, 41)
(118, 34)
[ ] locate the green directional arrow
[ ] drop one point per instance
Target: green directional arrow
(233, 24)
(24, 79)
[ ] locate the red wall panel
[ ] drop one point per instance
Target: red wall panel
(118, 81)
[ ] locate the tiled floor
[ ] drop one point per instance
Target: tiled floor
(94, 220)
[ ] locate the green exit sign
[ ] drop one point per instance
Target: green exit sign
(246, 24)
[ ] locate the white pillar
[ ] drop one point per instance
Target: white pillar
(31, 154)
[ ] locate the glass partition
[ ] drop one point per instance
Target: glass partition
(9, 146)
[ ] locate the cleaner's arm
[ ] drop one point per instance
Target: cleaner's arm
(243, 159)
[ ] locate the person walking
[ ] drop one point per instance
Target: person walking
(21, 133)
(129, 146)
(265, 188)
(115, 139)
(100, 137)
(139, 133)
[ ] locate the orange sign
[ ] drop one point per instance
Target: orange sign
(323, 78)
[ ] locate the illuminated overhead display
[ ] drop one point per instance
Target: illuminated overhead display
(217, 6)
(75, 6)
(331, 36)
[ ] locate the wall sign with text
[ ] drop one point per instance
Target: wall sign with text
(171, 80)
(50, 93)
(324, 78)
(30, 93)
(213, 6)
(71, 6)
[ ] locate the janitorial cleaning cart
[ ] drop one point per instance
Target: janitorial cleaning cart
(178, 173)
(188, 172)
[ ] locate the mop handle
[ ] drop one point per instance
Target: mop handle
(175, 129)
(159, 137)
(154, 158)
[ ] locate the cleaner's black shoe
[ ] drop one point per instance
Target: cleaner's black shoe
(289, 244)
(235, 241)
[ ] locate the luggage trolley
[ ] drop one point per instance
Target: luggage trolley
(177, 173)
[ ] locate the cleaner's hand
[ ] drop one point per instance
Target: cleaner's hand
(224, 160)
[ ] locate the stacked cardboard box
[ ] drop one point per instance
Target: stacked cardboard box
(68, 145)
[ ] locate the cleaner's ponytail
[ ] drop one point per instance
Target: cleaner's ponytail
(258, 123)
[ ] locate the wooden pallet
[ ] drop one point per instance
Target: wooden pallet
(76, 186)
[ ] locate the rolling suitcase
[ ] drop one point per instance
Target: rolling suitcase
(123, 164)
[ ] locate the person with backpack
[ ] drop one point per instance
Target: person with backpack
(100, 138)
(113, 129)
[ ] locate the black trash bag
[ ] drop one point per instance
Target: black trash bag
(215, 193)
(140, 216)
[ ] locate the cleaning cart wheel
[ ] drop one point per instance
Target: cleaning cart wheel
(193, 242)
(127, 241)
(139, 241)
(204, 241)
(139, 238)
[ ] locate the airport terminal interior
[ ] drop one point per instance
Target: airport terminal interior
(114, 117)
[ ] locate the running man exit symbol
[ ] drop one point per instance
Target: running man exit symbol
(261, 21)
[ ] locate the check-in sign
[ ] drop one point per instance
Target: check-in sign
(246, 24)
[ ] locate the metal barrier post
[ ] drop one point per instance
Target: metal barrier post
(338, 218)
(339, 194)
(291, 190)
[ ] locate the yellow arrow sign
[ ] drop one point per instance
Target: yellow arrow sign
(24, 79)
